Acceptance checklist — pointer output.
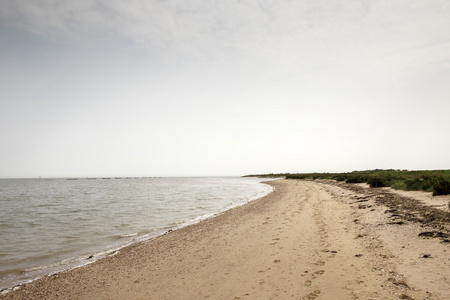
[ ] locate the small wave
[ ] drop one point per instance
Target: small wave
(34, 269)
(17, 271)
(127, 235)
(55, 265)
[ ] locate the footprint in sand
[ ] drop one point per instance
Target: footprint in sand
(320, 272)
(313, 295)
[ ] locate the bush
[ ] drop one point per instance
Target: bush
(356, 179)
(340, 177)
(413, 184)
(376, 181)
(296, 176)
(441, 187)
(427, 182)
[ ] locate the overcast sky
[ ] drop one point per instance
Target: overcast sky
(233, 87)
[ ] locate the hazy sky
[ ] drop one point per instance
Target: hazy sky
(232, 87)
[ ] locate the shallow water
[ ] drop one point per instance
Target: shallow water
(50, 225)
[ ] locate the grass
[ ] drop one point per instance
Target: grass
(436, 181)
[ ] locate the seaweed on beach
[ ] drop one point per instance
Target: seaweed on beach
(405, 209)
(401, 208)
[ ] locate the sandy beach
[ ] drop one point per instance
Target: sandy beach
(306, 240)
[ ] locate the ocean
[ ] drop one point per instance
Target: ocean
(51, 225)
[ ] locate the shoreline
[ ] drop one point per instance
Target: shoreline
(76, 262)
(306, 240)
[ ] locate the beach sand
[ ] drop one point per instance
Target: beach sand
(306, 240)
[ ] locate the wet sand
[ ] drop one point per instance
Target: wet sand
(306, 240)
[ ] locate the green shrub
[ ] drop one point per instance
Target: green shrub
(356, 179)
(398, 184)
(376, 181)
(341, 177)
(296, 176)
(441, 187)
(413, 184)
(427, 182)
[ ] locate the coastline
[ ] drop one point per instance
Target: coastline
(307, 239)
(97, 223)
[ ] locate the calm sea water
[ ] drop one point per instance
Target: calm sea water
(50, 225)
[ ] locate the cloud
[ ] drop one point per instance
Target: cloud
(278, 36)
(247, 77)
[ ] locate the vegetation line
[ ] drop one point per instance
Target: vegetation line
(436, 181)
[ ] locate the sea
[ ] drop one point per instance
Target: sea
(51, 225)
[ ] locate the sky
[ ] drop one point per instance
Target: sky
(222, 88)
